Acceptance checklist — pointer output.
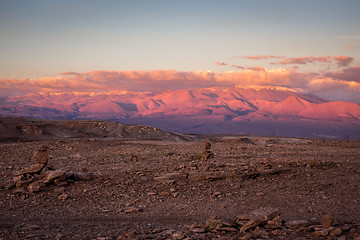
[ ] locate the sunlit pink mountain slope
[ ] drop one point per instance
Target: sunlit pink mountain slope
(236, 110)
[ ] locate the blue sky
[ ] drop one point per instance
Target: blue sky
(45, 38)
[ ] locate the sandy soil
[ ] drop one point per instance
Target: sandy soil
(138, 199)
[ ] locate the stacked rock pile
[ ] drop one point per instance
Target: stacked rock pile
(265, 222)
(40, 175)
(207, 153)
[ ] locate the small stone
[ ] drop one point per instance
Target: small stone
(335, 232)
(275, 223)
(24, 181)
(104, 238)
(216, 223)
(85, 176)
(327, 220)
(42, 155)
(178, 235)
(217, 194)
(251, 224)
(132, 210)
(35, 186)
(164, 194)
(157, 230)
(58, 236)
(247, 236)
(62, 183)
(169, 232)
(198, 230)
(322, 233)
(297, 223)
(207, 155)
(18, 178)
(59, 190)
(69, 175)
(63, 197)
(44, 171)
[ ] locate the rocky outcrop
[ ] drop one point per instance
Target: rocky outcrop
(15, 129)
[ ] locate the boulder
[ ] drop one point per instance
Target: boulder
(297, 223)
(257, 217)
(327, 220)
(41, 155)
(216, 223)
(51, 176)
(274, 223)
(35, 168)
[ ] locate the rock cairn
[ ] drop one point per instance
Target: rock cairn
(40, 175)
(266, 221)
(207, 153)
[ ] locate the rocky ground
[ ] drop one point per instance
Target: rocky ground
(232, 187)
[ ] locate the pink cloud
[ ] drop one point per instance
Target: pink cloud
(238, 67)
(303, 60)
(148, 80)
(343, 84)
(348, 74)
(258, 57)
(221, 63)
(257, 68)
(69, 73)
(343, 61)
(333, 89)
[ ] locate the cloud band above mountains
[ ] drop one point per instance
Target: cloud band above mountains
(341, 61)
(341, 85)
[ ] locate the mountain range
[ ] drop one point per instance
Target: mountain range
(265, 110)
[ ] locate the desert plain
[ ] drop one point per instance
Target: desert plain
(165, 186)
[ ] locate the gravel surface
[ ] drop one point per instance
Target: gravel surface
(167, 190)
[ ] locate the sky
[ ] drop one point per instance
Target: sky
(88, 45)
